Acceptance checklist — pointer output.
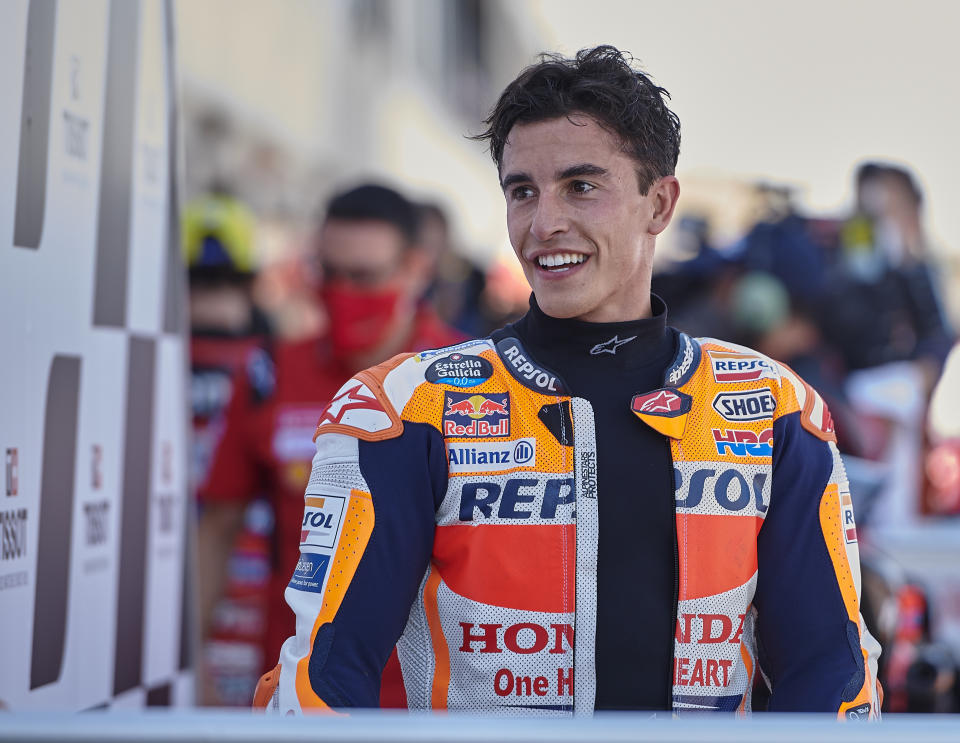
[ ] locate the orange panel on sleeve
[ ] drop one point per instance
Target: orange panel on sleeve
(357, 528)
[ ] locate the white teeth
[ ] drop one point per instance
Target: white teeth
(558, 260)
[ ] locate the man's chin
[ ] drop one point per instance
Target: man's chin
(560, 307)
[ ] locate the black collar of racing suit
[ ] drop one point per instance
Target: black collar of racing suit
(601, 347)
(615, 345)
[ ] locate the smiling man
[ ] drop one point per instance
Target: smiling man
(587, 510)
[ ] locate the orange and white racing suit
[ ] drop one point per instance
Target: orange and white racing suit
(452, 511)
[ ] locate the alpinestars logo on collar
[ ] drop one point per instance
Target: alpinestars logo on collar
(610, 346)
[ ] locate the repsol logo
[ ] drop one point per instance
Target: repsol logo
(729, 488)
(13, 534)
(525, 638)
(525, 370)
(518, 498)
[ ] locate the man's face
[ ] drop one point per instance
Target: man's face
(367, 254)
(583, 232)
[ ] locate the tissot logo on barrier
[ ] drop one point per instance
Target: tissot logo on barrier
(321, 521)
(491, 456)
(11, 472)
(479, 416)
(459, 370)
(745, 406)
(13, 534)
(737, 367)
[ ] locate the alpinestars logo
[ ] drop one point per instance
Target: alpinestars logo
(610, 346)
(350, 399)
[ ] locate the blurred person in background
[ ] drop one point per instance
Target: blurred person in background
(588, 491)
(883, 302)
(374, 273)
(227, 330)
(225, 324)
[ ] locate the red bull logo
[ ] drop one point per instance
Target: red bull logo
(476, 415)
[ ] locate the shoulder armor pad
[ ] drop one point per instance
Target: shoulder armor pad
(361, 407)
(433, 353)
(731, 363)
(814, 414)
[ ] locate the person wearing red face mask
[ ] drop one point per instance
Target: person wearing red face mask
(374, 272)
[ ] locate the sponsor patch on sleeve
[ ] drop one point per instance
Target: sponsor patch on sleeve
(321, 520)
(310, 572)
(846, 511)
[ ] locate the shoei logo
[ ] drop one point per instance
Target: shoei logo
(481, 416)
(744, 443)
(745, 406)
(321, 520)
(736, 367)
(459, 370)
(490, 456)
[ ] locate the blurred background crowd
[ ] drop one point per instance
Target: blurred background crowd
(335, 214)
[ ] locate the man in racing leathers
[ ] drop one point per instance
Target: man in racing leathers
(588, 510)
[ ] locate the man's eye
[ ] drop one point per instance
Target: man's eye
(520, 193)
(582, 187)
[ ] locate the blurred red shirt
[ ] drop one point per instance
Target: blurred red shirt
(267, 447)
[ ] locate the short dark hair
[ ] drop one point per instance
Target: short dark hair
(378, 203)
(603, 84)
(872, 170)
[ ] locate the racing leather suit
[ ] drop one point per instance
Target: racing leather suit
(453, 504)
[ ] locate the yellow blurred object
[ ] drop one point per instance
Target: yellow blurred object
(217, 232)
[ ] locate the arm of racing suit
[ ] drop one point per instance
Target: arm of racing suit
(813, 645)
(365, 547)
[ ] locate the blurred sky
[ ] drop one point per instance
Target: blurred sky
(796, 91)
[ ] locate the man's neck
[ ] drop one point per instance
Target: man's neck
(397, 340)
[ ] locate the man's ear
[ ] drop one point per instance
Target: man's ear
(664, 194)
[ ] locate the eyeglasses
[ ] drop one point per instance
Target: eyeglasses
(358, 276)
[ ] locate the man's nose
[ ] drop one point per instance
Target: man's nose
(550, 218)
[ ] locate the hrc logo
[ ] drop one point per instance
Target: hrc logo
(744, 443)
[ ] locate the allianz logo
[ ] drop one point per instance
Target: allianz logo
(490, 456)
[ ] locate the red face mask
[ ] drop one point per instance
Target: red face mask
(360, 320)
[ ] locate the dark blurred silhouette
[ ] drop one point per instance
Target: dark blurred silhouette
(226, 328)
